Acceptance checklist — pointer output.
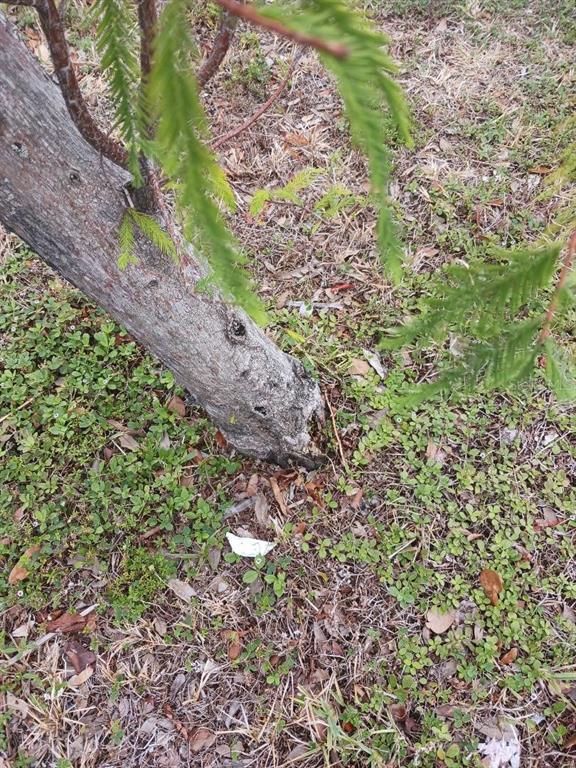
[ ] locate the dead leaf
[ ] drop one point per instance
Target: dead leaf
(509, 657)
(570, 742)
(492, 584)
(341, 287)
(16, 705)
(569, 614)
(201, 738)
(234, 650)
(261, 510)
(160, 626)
(427, 252)
(278, 495)
(252, 486)
(548, 521)
(149, 533)
(412, 725)
(218, 584)
(355, 503)
(296, 139)
(445, 670)
(67, 622)
(177, 405)
(297, 753)
(398, 711)
(358, 367)
(540, 170)
(434, 452)
(79, 656)
(214, 556)
(375, 363)
(19, 513)
(22, 631)
(181, 589)
(128, 442)
(20, 571)
(77, 680)
(299, 528)
(439, 622)
(221, 441)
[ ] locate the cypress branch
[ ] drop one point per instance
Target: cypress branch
(181, 149)
(117, 44)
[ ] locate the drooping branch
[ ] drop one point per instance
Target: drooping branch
(564, 272)
(248, 13)
(224, 36)
(53, 29)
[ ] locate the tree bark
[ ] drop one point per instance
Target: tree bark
(66, 202)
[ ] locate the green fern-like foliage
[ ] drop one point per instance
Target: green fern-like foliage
(154, 232)
(126, 242)
(180, 148)
(478, 298)
(367, 87)
(498, 362)
(479, 305)
(117, 45)
(560, 371)
(150, 228)
(288, 193)
(336, 200)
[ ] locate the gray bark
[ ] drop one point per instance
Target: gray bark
(66, 202)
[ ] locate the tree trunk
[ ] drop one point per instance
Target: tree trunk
(66, 202)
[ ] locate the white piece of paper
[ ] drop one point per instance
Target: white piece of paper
(245, 546)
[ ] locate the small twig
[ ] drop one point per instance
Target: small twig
(248, 13)
(336, 435)
(53, 29)
(220, 46)
(564, 272)
(259, 112)
(7, 415)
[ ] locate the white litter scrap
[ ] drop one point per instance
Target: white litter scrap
(503, 749)
(245, 546)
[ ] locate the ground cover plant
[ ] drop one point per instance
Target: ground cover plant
(419, 604)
